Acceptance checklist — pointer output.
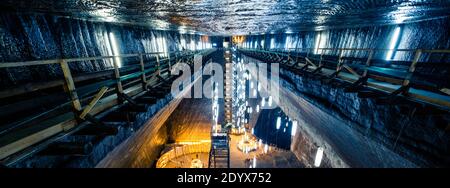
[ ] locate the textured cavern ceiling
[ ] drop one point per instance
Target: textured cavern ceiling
(227, 17)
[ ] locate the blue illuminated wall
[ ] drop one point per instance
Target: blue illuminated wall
(39, 37)
(432, 34)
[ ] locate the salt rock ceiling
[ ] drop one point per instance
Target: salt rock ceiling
(231, 17)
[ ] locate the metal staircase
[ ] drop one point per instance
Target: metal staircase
(219, 156)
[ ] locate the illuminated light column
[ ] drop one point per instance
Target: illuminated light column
(294, 128)
(393, 43)
(278, 125)
(319, 156)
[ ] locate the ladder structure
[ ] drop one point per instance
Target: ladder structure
(219, 156)
(228, 87)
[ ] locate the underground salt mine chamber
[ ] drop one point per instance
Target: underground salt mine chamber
(214, 84)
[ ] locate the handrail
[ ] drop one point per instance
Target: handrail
(69, 80)
(24, 88)
(369, 71)
(70, 120)
(54, 61)
(350, 49)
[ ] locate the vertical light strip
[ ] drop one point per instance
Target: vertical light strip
(272, 42)
(278, 125)
(393, 43)
(317, 45)
(192, 43)
(115, 49)
(183, 42)
(163, 45)
(294, 128)
(287, 44)
(319, 156)
(108, 46)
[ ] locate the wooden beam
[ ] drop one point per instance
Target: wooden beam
(369, 59)
(355, 86)
(169, 63)
(351, 70)
(70, 86)
(445, 90)
(310, 62)
(412, 67)
(142, 156)
(94, 101)
(158, 64)
(340, 61)
(59, 124)
(417, 97)
(17, 140)
(21, 139)
(143, 77)
(386, 79)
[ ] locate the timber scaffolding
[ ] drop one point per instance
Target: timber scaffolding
(390, 82)
(36, 116)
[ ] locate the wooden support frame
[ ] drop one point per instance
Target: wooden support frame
(70, 86)
(170, 63)
(304, 67)
(308, 61)
(361, 81)
(129, 99)
(412, 67)
(119, 88)
(389, 81)
(340, 60)
(349, 69)
(158, 65)
(368, 61)
(55, 127)
(321, 57)
(143, 77)
(445, 90)
(93, 120)
(94, 101)
(317, 71)
(401, 90)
